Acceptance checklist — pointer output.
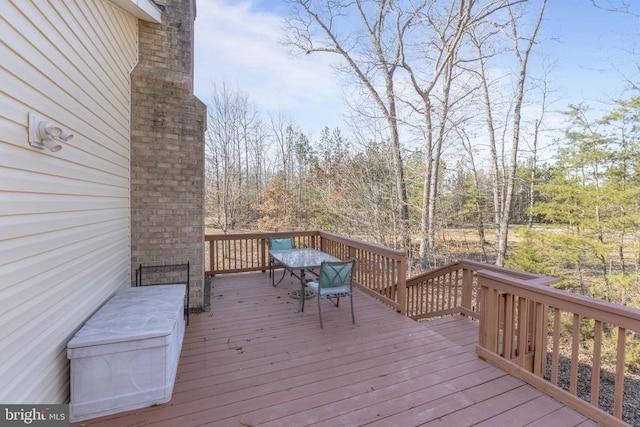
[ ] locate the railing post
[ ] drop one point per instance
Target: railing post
(402, 284)
(467, 288)
(212, 257)
(489, 314)
(263, 252)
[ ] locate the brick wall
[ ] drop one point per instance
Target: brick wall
(167, 148)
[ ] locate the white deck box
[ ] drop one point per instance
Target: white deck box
(126, 355)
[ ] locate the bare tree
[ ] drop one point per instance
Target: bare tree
(444, 28)
(234, 157)
(369, 174)
(434, 62)
(522, 54)
(254, 136)
(534, 148)
(223, 161)
(480, 43)
(466, 143)
(371, 51)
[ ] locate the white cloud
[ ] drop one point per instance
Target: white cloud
(236, 44)
(237, 41)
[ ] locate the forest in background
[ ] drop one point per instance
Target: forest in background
(440, 145)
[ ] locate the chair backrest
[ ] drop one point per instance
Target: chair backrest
(279, 243)
(334, 274)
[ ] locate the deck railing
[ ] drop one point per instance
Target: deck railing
(380, 271)
(243, 252)
(520, 316)
(453, 289)
(523, 325)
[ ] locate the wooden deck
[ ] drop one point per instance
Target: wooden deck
(254, 361)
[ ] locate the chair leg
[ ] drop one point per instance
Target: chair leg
(353, 318)
(335, 303)
(273, 277)
(272, 274)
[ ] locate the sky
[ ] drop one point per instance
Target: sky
(237, 42)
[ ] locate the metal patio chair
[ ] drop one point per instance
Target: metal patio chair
(278, 243)
(334, 281)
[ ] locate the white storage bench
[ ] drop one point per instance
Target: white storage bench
(126, 355)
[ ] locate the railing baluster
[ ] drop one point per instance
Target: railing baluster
(508, 327)
(523, 327)
(575, 350)
(555, 355)
(597, 354)
(540, 340)
(618, 395)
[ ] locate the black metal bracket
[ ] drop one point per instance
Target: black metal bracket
(169, 274)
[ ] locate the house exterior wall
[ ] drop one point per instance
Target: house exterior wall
(167, 148)
(64, 216)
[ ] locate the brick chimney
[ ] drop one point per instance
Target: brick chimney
(167, 148)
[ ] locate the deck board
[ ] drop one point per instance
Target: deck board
(254, 361)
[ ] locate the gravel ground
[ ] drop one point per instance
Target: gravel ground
(631, 401)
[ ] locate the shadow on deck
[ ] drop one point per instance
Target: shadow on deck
(254, 361)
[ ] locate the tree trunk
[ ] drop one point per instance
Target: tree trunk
(378, 50)
(523, 59)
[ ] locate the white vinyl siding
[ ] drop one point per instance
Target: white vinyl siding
(64, 216)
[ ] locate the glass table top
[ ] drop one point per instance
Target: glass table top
(302, 258)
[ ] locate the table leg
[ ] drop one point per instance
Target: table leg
(302, 283)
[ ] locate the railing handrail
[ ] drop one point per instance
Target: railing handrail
(434, 273)
(259, 235)
(359, 244)
(529, 277)
(476, 266)
(615, 314)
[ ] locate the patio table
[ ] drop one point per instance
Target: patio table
(302, 259)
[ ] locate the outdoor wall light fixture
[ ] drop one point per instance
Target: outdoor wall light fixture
(44, 134)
